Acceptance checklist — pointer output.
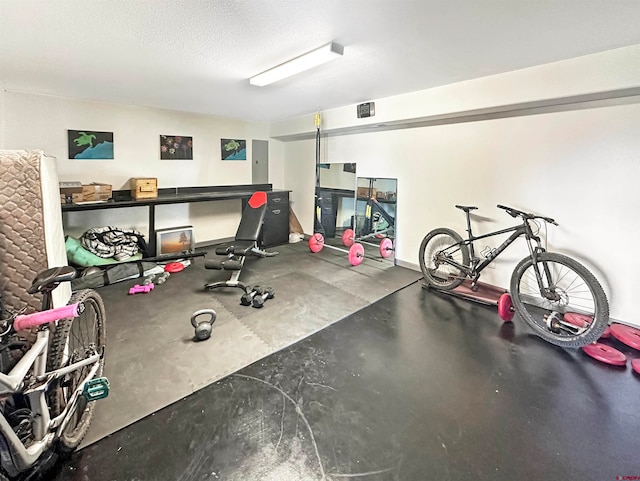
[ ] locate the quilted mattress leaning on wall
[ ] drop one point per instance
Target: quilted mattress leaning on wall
(31, 230)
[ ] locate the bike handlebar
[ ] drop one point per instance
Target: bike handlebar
(518, 213)
(26, 321)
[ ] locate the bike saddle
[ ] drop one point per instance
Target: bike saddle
(52, 277)
(466, 208)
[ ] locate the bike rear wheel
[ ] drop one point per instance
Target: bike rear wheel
(570, 289)
(73, 340)
(438, 246)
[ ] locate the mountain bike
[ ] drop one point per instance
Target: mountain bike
(47, 386)
(555, 295)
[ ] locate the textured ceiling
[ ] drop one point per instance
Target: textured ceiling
(197, 55)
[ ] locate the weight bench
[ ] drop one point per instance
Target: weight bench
(246, 242)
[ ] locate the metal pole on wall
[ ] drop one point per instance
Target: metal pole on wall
(317, 223)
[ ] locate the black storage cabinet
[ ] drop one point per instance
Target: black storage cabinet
(275, 230)
(328, 203)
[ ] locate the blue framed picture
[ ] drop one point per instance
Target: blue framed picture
(233, 149)
(90, 144)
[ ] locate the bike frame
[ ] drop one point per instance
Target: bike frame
(15, 457)
(476, 267)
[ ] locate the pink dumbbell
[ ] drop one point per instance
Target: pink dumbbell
(138, 289)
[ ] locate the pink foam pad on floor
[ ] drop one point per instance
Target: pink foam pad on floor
(485, 293)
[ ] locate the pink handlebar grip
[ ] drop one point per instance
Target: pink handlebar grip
(25, 321)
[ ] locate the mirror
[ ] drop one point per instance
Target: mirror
(375, 215)
(366, 205)
(335, 201)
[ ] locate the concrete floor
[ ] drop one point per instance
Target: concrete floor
(416, 386)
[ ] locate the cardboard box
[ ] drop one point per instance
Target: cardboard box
(70, 191)
(70, 187)
(96, 191)
(70, 198)
(364, 192)
(144, 188)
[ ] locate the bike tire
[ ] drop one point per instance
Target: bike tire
(443, 276)
(578, 289)
(73, 340)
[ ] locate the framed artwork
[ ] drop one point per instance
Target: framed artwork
(90, 144)
(233, 149)
(176, 147)
(176, 240)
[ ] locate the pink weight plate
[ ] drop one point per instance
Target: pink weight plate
(607, 354)
(348, 237)
(635, 364)
(606, 334)
(316, 242)
(576, 319)
(386, 247)
(505, 307)
(356, 254)
(627, 335)
(173, 267)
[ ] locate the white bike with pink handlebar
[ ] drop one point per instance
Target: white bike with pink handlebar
(46, 394)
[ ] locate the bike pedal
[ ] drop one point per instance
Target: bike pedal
(95, 389)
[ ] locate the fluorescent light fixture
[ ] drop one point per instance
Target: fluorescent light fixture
(299, 64)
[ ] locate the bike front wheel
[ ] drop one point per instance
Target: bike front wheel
(438, 249)
(569, 309)
(72, 341)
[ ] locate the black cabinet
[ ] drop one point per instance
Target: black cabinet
(275, 229)
(328, 203)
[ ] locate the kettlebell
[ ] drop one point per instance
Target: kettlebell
(203, 328)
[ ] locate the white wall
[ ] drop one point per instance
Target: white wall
(336, 178)
(579, 166)
(611, 70)
(41, 122)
